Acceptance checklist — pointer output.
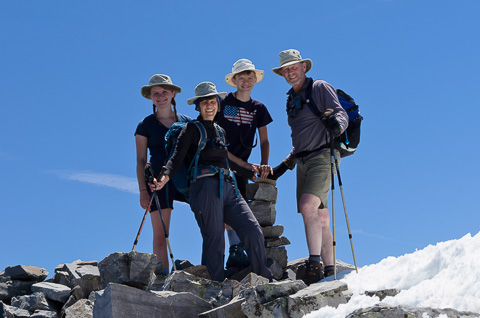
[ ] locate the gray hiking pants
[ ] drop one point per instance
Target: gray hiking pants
(211, 212)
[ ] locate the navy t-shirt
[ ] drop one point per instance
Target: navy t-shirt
(240, 121)
(155, 132)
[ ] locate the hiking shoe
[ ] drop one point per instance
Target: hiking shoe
(313, 272)
(237, 257)
(329, 270)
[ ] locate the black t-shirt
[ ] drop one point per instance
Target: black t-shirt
(240, 121)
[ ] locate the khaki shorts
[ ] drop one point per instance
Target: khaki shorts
(313, 177)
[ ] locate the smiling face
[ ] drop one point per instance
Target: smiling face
(208, 107)
(295, 74)
(245, 81)
(162, 96)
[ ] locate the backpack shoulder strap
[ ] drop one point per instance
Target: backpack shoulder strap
(201, 145)
(309, 99)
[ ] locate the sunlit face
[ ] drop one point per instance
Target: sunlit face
(208, 108)
(294, 74)
(245, 81)
(161, 96)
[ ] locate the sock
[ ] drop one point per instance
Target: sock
(233, 237)
(314, 258)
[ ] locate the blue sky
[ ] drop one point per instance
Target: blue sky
(71, 74)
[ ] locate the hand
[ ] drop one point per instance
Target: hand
(263, 171)
(158, 185)
(332, 125)
(144, 198)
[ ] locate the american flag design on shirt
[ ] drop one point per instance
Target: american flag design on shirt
(238, 115)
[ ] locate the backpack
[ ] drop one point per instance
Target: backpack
(348, 141)
(187, 174)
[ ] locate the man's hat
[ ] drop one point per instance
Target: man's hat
(289, 57)
(241, 66)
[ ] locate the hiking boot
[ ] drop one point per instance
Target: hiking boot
(329, 270)
(159, 270)
(237, 257)
(313, 272)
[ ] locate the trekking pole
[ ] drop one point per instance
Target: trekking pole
(345, 210)
(141, 224)
(332, 174)
(164, 229)
(149, 177)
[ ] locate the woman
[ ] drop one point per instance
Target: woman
(150, 134)
(214, 197)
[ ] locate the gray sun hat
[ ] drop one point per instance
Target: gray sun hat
(158, 80)
(240, 66)
(205, 89)
(289, 57)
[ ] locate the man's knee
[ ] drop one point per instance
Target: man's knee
(309, 204)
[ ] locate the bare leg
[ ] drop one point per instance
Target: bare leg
(159, 241)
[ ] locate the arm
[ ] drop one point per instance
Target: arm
(264, 145)
(141, 150)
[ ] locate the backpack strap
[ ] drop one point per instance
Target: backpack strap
(229, 172)
(201, 145)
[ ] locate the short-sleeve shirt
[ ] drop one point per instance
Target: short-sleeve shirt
(240, 121)
(151, 128)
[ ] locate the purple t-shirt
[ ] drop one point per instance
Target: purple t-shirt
(240, 121)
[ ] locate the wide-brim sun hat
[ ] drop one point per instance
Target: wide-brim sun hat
(205, 89)
(158, 80)
(289, 57)
(240, 66)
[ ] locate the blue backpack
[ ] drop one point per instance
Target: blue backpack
(187, 174)
(348, 141)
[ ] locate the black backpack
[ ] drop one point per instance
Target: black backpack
(348, 141)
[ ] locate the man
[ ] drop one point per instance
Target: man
(241, 116)
(311, 153)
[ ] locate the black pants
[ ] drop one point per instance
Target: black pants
(211, 212)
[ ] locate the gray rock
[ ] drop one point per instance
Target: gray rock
(214, 292)
(132, 269)
(44, 314)
(52, 291)
(276, 241)
(83, 274)
(387, 311)
(251, 280)
(26, 273)
(199, 271)
(315, 297)
(383, 293)
(10, 289)
(31, 302)
(119, 301)
(273, 231)
(278, 254)
(75, 295)
(275, 269)
(61, 277)
(81, 309)
(264, 212)
(261, 301)
(231, 310)
(261, 192)
(13, 312)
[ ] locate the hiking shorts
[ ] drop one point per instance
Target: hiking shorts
(166, 196)
(313, 177)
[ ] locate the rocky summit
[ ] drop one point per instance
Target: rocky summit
(125, 285)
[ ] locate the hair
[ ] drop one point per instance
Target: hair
(201, 99)
(174, 103)
(247, 72)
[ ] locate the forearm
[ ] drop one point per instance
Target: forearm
(265, 152)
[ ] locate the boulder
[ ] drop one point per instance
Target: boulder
(272, 231)
(132, 269)
(82, 308)
(83, 274)
(26, 273)
(31, 302)
(52, 291)
(119, 301)
(278, 254)
(264, 212)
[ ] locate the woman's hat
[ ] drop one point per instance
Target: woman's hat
(158, 80)
(289, 57)
(241, 66)
(205, 89)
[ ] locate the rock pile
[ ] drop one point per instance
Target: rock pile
(124, 285)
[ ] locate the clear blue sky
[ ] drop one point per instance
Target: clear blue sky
(71, 74)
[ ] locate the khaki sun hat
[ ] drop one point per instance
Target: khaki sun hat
(240, 66)
(158, 80)
(289, 57)
(205, 89)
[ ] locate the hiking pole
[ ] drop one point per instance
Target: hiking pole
(332, 174)
(141, 224)
(149, 176)
(345, 209)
